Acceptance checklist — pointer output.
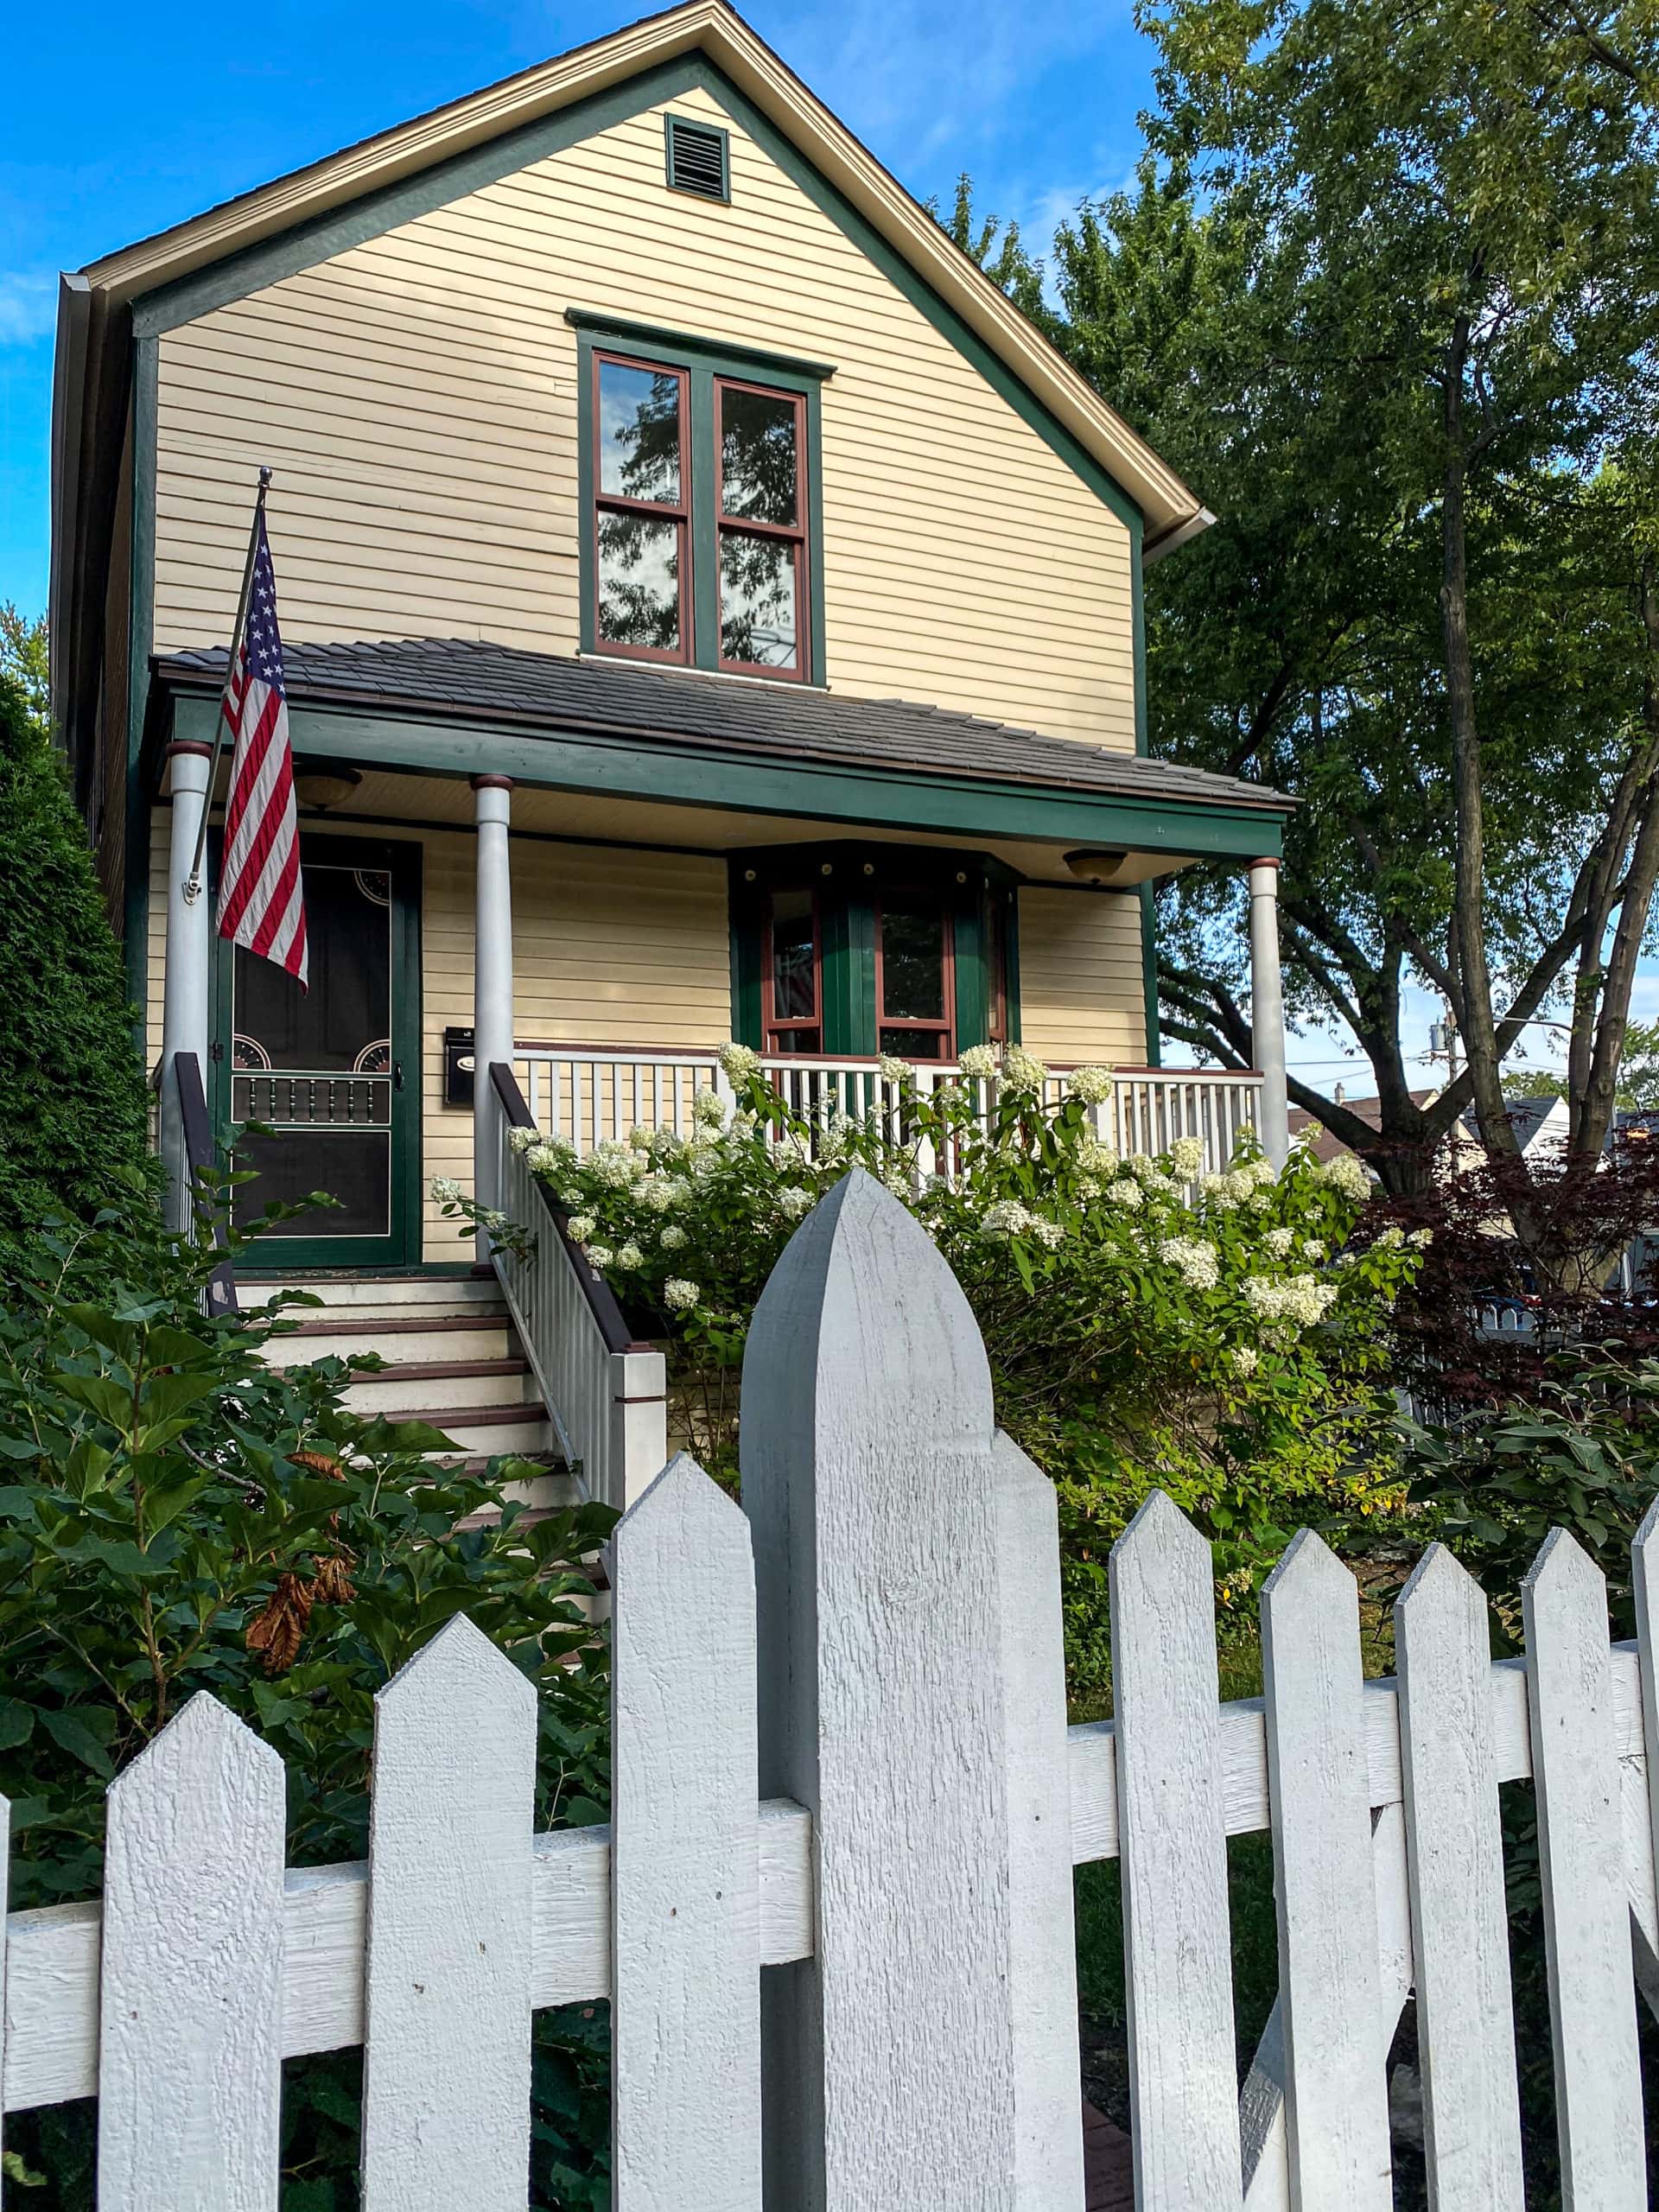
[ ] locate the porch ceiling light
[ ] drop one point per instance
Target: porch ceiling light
(325, 787)
(1097, 865)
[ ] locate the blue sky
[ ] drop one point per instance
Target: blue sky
(127, 118)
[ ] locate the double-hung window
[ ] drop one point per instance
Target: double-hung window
(700, 527)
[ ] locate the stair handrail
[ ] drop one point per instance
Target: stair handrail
(200, 1158)
(606, 1395)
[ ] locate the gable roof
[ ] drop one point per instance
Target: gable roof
(712, 28)
(556, 692)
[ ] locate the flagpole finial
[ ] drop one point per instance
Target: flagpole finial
(264, 479)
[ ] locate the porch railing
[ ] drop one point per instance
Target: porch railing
(593, 1094)
(605, 1392)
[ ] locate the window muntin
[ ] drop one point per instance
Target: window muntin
(915, 977)
(760, 446)
(793, 974)
(641, 510)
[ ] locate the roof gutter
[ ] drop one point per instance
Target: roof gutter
(1171, 540)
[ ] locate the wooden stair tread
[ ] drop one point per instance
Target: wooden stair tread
(440, 1370)
(365, 1325)
(1108, 2165)
(517, 1409)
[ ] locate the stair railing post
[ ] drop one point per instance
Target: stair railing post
(912, 1692)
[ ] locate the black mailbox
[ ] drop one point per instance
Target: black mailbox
(457, 1067)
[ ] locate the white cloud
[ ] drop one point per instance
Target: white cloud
(29, 305)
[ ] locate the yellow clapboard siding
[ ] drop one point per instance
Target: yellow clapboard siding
(1080, 976)
(964, 563)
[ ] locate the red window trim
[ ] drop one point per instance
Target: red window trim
(795, 533)
(947, 1028)
(679, 513)
(771, 1028)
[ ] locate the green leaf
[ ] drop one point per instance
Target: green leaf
(69, 1728)
(17, 1723)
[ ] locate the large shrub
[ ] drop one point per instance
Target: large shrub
(1224, 1336)
(175, 1516)
(72, 1097)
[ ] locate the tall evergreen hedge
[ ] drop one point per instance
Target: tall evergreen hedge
(72, 1092)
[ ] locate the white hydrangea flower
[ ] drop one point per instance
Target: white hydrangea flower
(1095, 1155)
(1218, 1188)
(1347, 1175)
(679, 1295)
(1391, 1240)
(793, 1201)
(1241, 1185)
(1242, 1359)
(641, 1137)
(547, 1159)
(1048, 1233)
(629, 1256)
(1262, 1170)
(743, 1125)
(599, 1256)
(1260, 1200)
(738, 1063)
(1421, 1239)
(582, 1226)
(1142, 1166)
(654, 1194)
(1092, 1086)
(522, 1140)
(446, 1191)
(1196, 1261)
(1008, 1218)
(1279, 1242)
(1186, 1157)
(672, 1238)
(614, 1166)
(709, 1111)
(1023, 1070)
(1299, 1299)
(1312, 1248)
(893, 1069)
(1089, 1188)
(1123, 1192)
(1159, 1186)
(978, 1063)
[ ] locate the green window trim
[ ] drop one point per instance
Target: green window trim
(599, 337)
(849, 880)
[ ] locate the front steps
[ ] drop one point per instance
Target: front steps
(453, 1360)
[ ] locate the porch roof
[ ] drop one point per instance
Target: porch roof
(371, 700)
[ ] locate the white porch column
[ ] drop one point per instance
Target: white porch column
(1268, 1010)
(189, 964)
(491, 979)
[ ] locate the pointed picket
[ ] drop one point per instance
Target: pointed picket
(685, 1863)
(191, 2006)
(446, 2080)
(1644, 1583)
(1585, 1894)
(1336, 2102)
(1455, 1853)
(1177, 1934)
(5, 1869)
(910, 2061)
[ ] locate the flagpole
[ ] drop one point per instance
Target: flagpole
(193, 884)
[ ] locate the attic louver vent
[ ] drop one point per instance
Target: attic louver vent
(697, 159)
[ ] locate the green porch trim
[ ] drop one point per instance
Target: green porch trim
(1138, 632)
(141, 602)
(607, 334)
(1149, 972)
(976, 810)
(321, 237)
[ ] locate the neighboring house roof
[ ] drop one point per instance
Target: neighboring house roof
(1530, 1118)
(1326, 1146)
(554, 691)
(98, 308)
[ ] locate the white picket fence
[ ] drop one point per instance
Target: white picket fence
(840, 1753)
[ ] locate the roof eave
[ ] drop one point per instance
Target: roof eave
(1164, 502)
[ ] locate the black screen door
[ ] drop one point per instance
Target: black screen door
(333, 1071)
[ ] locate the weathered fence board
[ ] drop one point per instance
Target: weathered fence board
(882, 1710)
(190, 2052)
(1460, 1925)
(1586, 1892)
(1177, 1933)
(1336, 2105)
(446, 2082)
(685, 1863)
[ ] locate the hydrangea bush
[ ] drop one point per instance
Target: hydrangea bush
(1224, 1334)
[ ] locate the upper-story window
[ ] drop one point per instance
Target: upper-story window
(702, 529)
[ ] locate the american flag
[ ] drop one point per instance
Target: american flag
(261, 900)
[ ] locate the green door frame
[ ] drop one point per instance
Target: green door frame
(402, 1247)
